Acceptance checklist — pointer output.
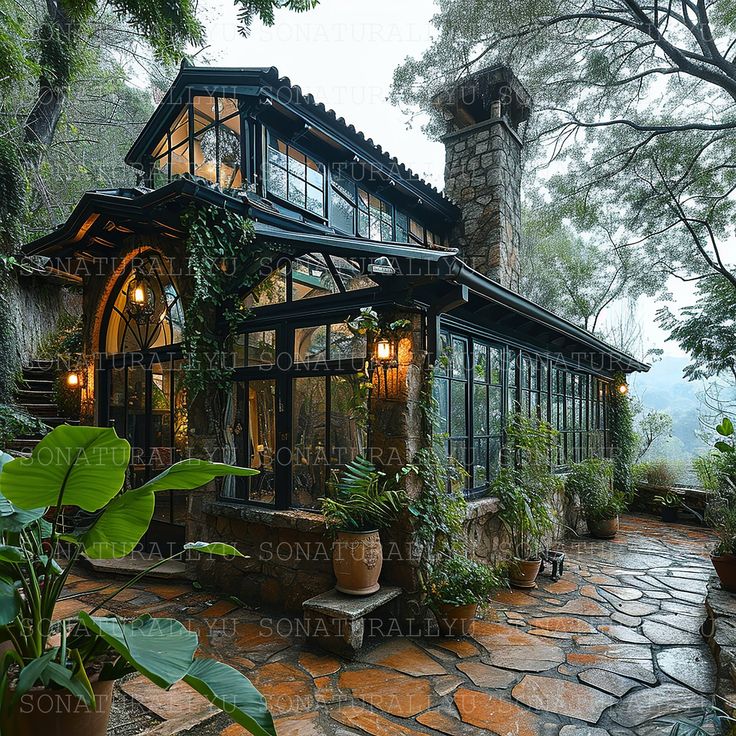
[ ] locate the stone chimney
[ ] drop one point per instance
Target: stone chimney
(483, 113)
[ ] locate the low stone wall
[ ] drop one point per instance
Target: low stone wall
(694, 499)
(720, 633)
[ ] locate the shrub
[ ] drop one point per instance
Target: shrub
(15, 422)
(660, 473)
(591, 481)
(459, 581)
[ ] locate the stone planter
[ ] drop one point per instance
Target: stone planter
(58, 713)
(603, 528)
(725, 566)
(523, 573)
(357, 559)
(455, 620)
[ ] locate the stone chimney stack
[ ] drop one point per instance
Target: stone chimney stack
(483, 113)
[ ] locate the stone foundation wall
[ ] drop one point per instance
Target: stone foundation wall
(288, 552)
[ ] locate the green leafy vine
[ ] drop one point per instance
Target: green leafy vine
(623, 437)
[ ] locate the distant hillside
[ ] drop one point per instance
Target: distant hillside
(665, 389)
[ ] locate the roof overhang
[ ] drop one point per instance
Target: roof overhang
(138, 210)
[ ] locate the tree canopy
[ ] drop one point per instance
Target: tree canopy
(633, 117)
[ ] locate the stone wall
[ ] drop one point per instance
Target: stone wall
(483, 176)
(34, 306)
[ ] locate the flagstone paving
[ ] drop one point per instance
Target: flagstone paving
(608, 650)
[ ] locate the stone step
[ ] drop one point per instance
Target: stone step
(136, 563)
(21, 445)
(34, 396)
(40, 410)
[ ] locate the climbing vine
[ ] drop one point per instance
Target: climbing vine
(623, 437)
(439, 510)
(221, 259)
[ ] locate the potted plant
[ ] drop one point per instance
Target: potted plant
(525, 489)
(56, 676)
(670, 504)
(456, 586)
(591, 482)
(720, 512)
(361, 502)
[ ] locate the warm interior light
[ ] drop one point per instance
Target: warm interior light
(623, 388)
(139, 295)
(383, 349)
(72, 380)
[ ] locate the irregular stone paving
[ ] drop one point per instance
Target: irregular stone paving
(610, 649)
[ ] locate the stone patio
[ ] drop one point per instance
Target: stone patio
(611, 648)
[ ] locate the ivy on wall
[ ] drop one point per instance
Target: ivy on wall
(623, 437)
(221, 257)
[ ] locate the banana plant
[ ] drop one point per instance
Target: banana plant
(85, 468)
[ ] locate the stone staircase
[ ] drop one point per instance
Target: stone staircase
(35, 395)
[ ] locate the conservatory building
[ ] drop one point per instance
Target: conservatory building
(343, 233)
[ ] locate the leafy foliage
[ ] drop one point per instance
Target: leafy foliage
(591, 481)
(265, 10)
(720, 512)
(623, 437)
(15, 422)
(363, 499)
(85, 467)
(660, 473)
(705, 330)
(526, 486)
(457, 580)
(221, 259)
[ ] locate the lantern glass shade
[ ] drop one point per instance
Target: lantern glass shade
(140, 300)
(623, 388)
(383, 349)
(72, 379)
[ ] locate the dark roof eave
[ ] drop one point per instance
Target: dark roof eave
(489, 289)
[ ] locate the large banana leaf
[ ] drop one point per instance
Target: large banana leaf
(120, 526)
(87, 463)
(233, 694)
(192, 473)
(160, 648)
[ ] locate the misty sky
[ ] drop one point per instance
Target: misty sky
(344, 53)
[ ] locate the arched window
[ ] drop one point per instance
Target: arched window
(146, 312)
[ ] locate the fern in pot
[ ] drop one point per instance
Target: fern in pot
(56, 676)
(362, 502)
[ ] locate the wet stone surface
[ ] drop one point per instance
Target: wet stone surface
(611, 648)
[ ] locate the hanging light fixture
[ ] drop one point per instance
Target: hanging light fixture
(140, 298)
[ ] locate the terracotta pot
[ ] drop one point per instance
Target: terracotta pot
(523, 573)
(58, 713)
(455, 620)
(603, 528)
(357, 559)
(725, 566)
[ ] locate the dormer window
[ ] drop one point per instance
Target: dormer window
(295, 177)
(204, 141)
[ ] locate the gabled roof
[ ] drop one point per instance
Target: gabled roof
(266, 83)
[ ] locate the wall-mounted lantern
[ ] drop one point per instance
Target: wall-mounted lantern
(623, 388)
(140, 298)
(75, 379)
(385, 357)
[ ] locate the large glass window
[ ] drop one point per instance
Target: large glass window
(205, 141)
(295, 177)
(471, 377)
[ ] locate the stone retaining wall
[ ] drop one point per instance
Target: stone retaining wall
(720, 633)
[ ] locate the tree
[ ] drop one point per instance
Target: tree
(634, 105)
(577, 275)
(651, 427)
(706, 330)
